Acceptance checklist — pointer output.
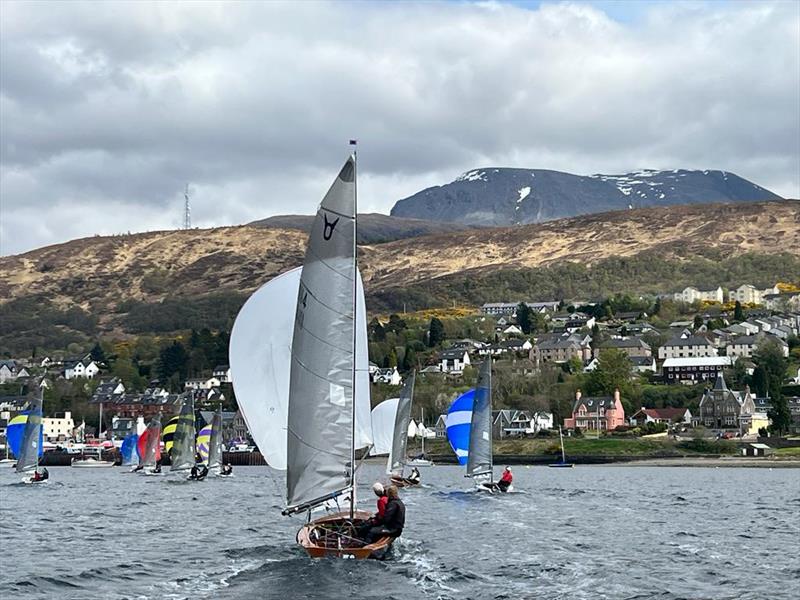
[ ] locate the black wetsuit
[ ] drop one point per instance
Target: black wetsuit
(394, 519)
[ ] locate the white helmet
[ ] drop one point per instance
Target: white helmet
(377, 487)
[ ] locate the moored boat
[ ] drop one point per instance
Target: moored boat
(563, 464)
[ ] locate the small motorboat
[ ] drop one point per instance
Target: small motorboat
(336, 536)
(419, 462)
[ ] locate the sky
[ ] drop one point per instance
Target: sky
(108, 110)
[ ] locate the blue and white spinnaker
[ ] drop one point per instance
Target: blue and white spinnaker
(457, 422)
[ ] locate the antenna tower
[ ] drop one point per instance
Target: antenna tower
(187, 212)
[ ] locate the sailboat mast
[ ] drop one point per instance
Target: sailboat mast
(561, 437)
(355, 328)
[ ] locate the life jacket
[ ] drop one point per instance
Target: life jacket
(507, 477)
(382, 501)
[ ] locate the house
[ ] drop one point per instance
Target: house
(746, 294)
(515, 345)
(238, 429)
(202, 383)
(687, 347)
(512, 330)
(453, 361)
(747, 345)
(757, 450)
(501, 424)
(643, 364)
(632, 346)
(603, 413)
(468, 345)
(670, 416)
(441, 427)
(541, 420)
(721, 408)
(390, 376)
(122, 426)
(499, 308)
(694, 370)
(692, 294)
(84, 367)
(559, 350)
(107, 388)
(58, 428)
(11, 370)
(222, 373)
(572, 322)
(630, 316)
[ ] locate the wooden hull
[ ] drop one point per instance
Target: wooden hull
(333, 536)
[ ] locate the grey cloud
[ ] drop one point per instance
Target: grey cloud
(120, 104)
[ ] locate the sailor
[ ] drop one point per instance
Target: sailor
(414, 476)
(227, 469)
(377, 518)
(505, 480)
(394, 519)
(158, 466)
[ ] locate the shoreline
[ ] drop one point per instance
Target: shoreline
(703, 461)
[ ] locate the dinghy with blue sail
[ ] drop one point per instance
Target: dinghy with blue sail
(25, 436)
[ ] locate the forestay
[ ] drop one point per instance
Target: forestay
(479, 461)
(397, 458)
(321, 410)
(260, 357)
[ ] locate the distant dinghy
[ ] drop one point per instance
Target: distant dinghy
(25, 436)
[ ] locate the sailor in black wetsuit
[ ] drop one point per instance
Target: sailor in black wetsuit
(394, 519)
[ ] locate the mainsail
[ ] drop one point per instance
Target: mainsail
(149, 444)
(321, 424)
(397, 458)
(260, 358)
(479, 461)
(215, 443)
(25, 435)
(182, 453)
(383, 418)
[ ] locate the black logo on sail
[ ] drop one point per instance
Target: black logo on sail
(328, 231)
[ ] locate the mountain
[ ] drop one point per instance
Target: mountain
(170, 280)
(373, 228)
(500, 196)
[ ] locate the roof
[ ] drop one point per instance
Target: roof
(632, 342)
(663, 413)
(719, 384)
(699, 361)
(451, 354)
(641, 361)
(222, 367)
(556, 344)
(593, 402)
(761, 446)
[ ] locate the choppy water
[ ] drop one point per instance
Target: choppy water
(591, 532)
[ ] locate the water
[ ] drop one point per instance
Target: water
(591, 532)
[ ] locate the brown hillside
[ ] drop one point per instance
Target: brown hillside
(98, 273)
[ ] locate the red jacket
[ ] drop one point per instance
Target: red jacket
(382, 502)
(507, 476)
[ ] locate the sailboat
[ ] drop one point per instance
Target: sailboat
(397, 457)
(479, 459)
(179, 437)
(25, 435)
(322, 411)
(209, 444)
(149, 447)
(563, 462)
(129, 449)
(422, 432)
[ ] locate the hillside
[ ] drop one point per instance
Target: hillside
(162, 281)
(502, 196)
(373, 228)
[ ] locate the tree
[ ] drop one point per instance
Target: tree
(524, 318)
(613, 372)
(698, 321)
(770, 357)
(759, 381)
(376, 331)
(738, 313)
(657, 306)
(435, 332)
(98, 355)
(173, 360)
(395, 324)
(409, 359)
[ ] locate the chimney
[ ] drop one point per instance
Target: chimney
(616, 395)
(577, 395)
(747, 389)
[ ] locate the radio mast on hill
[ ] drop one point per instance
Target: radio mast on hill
(187, 212)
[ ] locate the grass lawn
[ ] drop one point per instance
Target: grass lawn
(793, 452)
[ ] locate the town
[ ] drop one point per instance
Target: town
(714, 372)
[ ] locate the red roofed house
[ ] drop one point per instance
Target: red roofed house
(605, 412)
(670, 416)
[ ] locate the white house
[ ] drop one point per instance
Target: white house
(390, 376)
(85, 368)
(201, 383)
(691, 294)
(58, 428)
(512, 330)
(11, 370)
(454, 361)
(688, 347)
(746, 294)
(222, 372)
(541, 420)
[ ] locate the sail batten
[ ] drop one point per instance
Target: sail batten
(479, 460)
(321, 405)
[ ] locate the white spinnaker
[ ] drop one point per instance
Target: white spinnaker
(383, 417)
(260, 356)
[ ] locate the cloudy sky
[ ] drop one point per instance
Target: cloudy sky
(108, 109)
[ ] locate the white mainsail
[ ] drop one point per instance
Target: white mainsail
(397, 457)
(383, 418)
(321, 426)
